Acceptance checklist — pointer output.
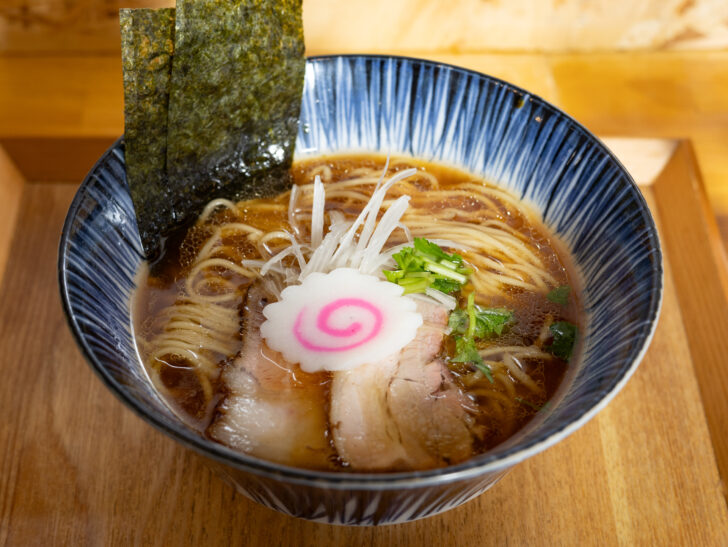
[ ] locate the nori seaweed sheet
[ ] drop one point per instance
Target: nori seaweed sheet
(235, 98)
(147, 41)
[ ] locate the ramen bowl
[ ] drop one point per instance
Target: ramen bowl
(438, 113)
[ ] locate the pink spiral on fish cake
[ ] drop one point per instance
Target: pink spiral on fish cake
(339, 320)
(351, 330)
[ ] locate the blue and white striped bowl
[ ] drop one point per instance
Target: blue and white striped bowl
(434, 112)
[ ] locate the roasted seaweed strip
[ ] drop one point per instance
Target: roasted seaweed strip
(235, 97)
(147, 42)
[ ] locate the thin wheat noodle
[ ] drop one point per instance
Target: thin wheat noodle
(202, 326)
(517, 372)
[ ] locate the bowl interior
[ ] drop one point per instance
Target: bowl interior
(433, 112)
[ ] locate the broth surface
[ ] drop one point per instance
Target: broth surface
(499, 408)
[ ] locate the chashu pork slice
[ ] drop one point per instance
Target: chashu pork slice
(432, 413)
(364, 434)
(404, 412)
(273, 410)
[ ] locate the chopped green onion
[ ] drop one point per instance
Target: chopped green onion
(447, 272)
(449, 264)
(413, 285)
(393, 275)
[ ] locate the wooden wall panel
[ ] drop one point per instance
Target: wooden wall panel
(421, 25)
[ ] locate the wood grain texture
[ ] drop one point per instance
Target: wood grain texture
(668, 95)
(646, 95)
(61, 97)
(466, 26)
(702, 272)
(63, 159)
(407, 25)
(77, 467)
(11, 188)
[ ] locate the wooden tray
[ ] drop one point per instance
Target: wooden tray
(78, 468)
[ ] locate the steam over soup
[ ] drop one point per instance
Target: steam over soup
(374, 318)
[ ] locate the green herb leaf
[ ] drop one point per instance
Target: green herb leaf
(472, 319)
(493, 320)
(447, 286)
(406, 260)
(560, 295)
(467, 352)
(458, 321)
(434, 252)
(485, 369)
(564, 334)
(426, 265)
(488, 321)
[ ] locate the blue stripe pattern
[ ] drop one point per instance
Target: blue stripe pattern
(434, 112)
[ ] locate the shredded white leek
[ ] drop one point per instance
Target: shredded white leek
(317, 212)
(357, 244)
(445, 299)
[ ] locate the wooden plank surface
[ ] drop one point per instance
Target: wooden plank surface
(703, 277)
(11, 188)
(77, 467)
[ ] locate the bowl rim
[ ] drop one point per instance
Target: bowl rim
(475, 466)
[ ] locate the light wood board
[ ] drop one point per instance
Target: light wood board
(78, 468)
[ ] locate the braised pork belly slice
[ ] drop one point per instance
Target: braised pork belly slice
(431, 413)
(404, 412)
(273, 410)
(365, 436)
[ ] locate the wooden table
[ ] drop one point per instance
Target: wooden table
(77, 467)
